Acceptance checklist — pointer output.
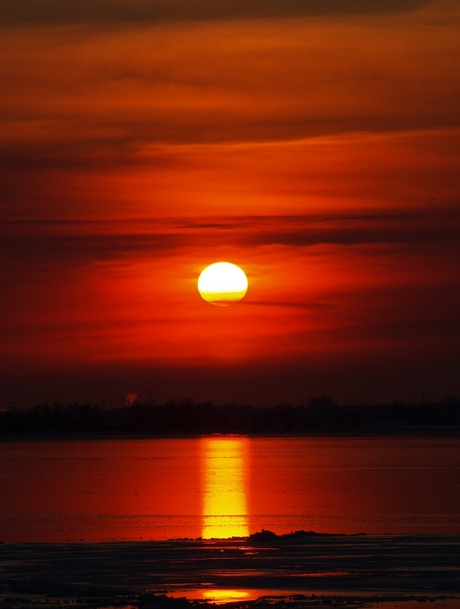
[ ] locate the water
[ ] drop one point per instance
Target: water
(63, 490)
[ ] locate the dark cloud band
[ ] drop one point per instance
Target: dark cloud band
(81, 242)
(148, 11)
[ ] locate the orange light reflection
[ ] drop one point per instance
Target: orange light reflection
(224, 488)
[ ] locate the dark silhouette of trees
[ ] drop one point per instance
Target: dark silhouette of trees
(319, 415)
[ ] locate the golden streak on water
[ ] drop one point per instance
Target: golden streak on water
(225, 512)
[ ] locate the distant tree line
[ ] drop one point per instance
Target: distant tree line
(319, 415)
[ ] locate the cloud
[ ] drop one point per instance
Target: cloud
(79, 97)
(51, 242)
(148, 11)
(310, 306)
(71, 243)
(355, 228)
(392, 228)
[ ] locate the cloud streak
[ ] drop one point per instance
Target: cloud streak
(69, 243)
(146, 11)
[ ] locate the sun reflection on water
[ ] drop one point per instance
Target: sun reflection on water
(225, 512)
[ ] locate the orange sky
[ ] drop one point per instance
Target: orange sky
(316, 145)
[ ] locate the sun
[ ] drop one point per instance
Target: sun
(222, 284)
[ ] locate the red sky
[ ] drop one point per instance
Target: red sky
(315, 144)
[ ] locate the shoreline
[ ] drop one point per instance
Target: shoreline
(299, 570)
(390, 432)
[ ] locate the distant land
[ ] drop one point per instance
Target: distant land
(320, 415)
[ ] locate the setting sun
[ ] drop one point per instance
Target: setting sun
(222, 283)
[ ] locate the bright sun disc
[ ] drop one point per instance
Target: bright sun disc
(222, 283)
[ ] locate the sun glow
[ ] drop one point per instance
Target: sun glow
(225, 512)
(222, 283)
(224, 596)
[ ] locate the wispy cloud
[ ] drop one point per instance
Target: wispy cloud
(71, 243)
(105, 95)
(125, 11)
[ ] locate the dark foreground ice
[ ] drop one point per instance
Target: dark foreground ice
(301, 570)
